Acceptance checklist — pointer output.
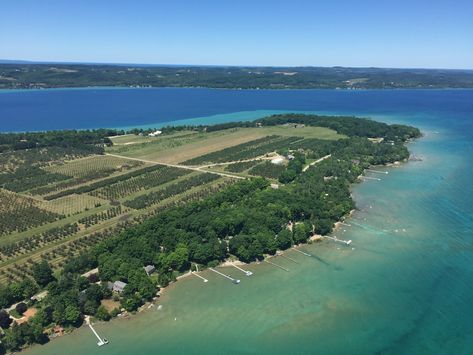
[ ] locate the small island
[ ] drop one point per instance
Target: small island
(97, 221)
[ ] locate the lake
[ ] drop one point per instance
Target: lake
(405, 284)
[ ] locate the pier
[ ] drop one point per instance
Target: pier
(200, 277)
(195, 273)
(302, 252)
(102, 341)
(371, 178)
(334, 238)
(377, 171)
(288, 258)
(247, 272)
(235, 281)
(279, 266)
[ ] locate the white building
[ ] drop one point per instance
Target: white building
(277, 161)
(155, 134)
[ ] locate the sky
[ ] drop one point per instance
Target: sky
(355, 33)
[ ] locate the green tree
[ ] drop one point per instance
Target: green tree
(284, 239)
(72, 315)
(42, 273)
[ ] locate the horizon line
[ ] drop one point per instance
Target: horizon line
(45, 62)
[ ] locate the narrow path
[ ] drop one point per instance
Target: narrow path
(178, 166)
(317, 161)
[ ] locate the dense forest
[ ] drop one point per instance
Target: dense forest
(248, 220)
(24, 76)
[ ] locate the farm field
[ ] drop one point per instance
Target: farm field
(185, 145)
(63, 203)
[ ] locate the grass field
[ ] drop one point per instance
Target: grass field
(72, 204)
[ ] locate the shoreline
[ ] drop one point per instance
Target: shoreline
(105, 87)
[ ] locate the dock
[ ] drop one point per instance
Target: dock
(377, 171)
(371, 178)
(302, 252)
(247, 272)
(334, 238)
(235, 281)
(279, 266)
(102, 341)
(200, 277)
(288, 258)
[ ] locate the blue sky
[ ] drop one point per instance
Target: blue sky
(396, 33)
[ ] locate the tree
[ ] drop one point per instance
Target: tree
(301, 233)
(42, 273)
(72, 314)
(284, 239)
(90, 307)
(94, 293)
(5, 319)
(21, 307)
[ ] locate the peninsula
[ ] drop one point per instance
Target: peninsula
(96, 222)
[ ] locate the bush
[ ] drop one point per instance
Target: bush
(5, 319)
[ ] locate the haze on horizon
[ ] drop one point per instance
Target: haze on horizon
(402, 34)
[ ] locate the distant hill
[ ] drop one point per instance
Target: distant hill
(23, 74)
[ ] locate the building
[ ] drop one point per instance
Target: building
(119, 286)
(155, 134)
(277, 161)
(149, 269)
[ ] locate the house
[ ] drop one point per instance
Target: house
(155, 134)
(274, 186)
(149, 269)
(119, 286)
(290, 157)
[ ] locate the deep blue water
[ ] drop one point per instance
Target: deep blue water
(405, 288)
(111, 107)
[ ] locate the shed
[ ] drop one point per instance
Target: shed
(149, 269)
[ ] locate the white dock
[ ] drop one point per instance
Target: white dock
(302, 252)
(200, 277)
(334, 238)
(377, 171)
(288, 258)
(279, 266)
(345, 224)
(371, 178)
(102, 341)
(235, 281)
(247, 272)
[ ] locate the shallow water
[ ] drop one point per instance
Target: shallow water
(403, 287)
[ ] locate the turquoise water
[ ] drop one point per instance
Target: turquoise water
(403, 287)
